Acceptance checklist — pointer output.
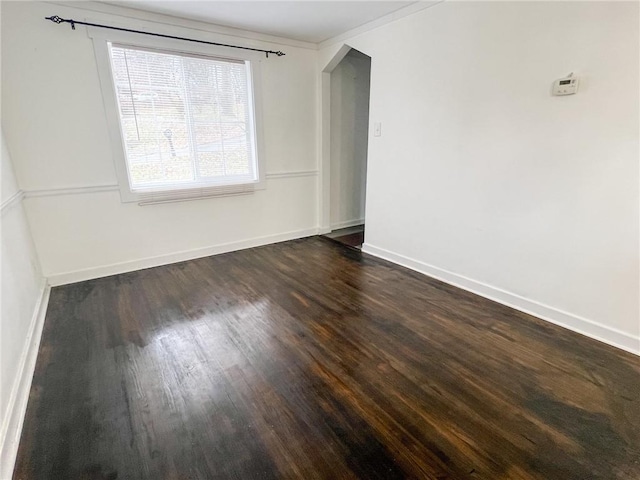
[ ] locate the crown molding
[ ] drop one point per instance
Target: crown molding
(373, 24)
(115, 9)
(107, 8)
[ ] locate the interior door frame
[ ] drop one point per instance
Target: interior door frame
(324, 201)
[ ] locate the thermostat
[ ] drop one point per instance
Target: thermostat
(566, 86)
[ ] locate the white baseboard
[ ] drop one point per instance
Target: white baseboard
(347, 224)
(19, 397)
(124, 267)
(589, 328)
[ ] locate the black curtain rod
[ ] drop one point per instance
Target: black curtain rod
(57, 19)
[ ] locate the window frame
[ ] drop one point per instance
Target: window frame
(101, 40)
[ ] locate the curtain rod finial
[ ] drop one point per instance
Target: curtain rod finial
(55, 19)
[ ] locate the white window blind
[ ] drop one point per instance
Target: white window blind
(187, 121)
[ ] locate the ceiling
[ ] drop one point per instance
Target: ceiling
(308, 21)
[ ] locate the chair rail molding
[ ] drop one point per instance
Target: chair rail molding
(12, 201)
(89, 189)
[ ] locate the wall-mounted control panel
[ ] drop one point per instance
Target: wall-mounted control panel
(566, 86)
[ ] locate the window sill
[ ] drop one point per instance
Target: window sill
(186, 195)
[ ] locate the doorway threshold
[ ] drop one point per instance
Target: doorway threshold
(350, 236)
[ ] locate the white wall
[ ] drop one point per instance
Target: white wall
(55, 125)
(484, 179)
(21, 291)
(349, 138)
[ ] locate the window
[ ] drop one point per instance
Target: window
(186, 123)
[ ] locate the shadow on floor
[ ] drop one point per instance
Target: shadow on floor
(351, 236)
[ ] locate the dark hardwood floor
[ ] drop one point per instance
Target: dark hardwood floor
(310, 360)
(351, 236)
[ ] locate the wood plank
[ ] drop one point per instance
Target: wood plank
(310, 360)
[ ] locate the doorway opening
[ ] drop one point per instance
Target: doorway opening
(348, 132)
